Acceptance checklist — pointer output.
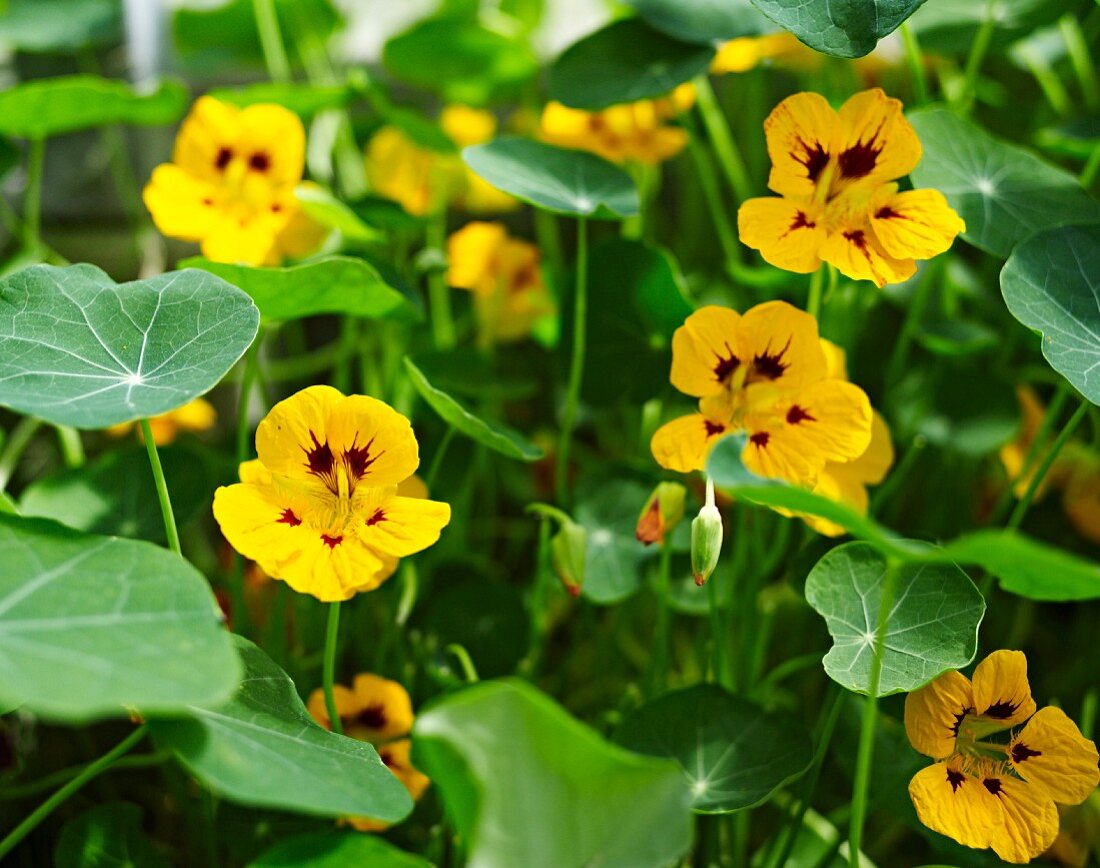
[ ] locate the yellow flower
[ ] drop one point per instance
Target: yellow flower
(748, 52)
(320, 508)
(1080, 472)
(635, 131)
(763, 373)
(230, 185)
(196, 415)
(503, 274)
(834, 172)
(987, 794)
(469, 126)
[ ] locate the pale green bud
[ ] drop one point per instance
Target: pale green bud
(706, 538)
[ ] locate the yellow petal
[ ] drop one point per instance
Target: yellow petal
(273, 143)
(467, 126)
(210, 127)
(933, 714)
(704, 351)
(1030, 822)
(1001, 692)
(871, 467)
(402, 526)
(181, 204)
(780, 347)
(331, 567)
(473, 254)
(916, 224)
(397, 756)
(952, 803)
(254, 471)
(683, 444)
(261, 524)
(836, 360)
(737, 55)
(857, 254)
(1081, 499)
(1051, 752)
(292, 439)
(481, 197)
(251, 241)
(343, 698)
(787, 232)
(382, 710)
(803, 133)
(877, 143)
(374, 441)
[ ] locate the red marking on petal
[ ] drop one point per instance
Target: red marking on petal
(223, 158)
(814, 157)
(259, 161)
(798, 414)
(320, 462)
(760, 439)
(288, 517)
(726, 365)
(331, 541)
(379, 516)
(276, 208)
(1021, 752)
(207, 201)
(956, 779)
(993, 785)
(769, 365)
(357, 460)
(859, 160)
(886, 212)
(801, 221)
(713, 428)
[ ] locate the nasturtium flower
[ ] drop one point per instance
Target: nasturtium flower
(230, 185)
(763, 373)
(996, 794)
(320, 507)
(629, 132)
(196, 415)
(503, 273)
(748, 52)
(663, 510)
(835, 173)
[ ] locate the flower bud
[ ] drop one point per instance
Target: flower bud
(662, 512)
(568, 548)
(706, 538)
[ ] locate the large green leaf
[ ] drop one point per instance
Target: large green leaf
(574, 183)
(613, 557)
(334, 849)
(500, 438)
(932, 625)
(625, 61)
(107, 836)
(1003, 192)
(60, 25)
(52, 106)
(842, 28)
(85, 351)
(526, 784)
(732, 752)
(1051, 283)
(1029, 568)
(704, 21)
(91, 624)
(262, 748)
(334, 284)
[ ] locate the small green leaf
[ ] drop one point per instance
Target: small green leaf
(262, 748)
(108, 836)
(1003, 192)
(932, 625)
(613, 556)
(329, 211)
(52, 106)
(90, 624)
(732, 752)
(500, 438)
(60, 26)
(842, 28)
(526, 784)
(573, 183)
(625, 61)
(1051, 284)
(704, 21)
(85, 351)
(334, 849)
(1029, 568)
(305, 100)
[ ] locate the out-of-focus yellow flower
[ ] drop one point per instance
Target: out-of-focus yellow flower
(838, 203)
(1080, 474)
(1014, 454)
(196, 415)
(467, 126)
(630, 132)
(230, 185)
(1078, 834)
(748, 52)
(503, 274)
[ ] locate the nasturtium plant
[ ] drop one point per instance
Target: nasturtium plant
(613, 556)
(108, 835)
(704, 21)
(337, 849)
(849, 28)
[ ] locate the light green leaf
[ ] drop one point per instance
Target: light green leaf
(1003, 192)
(85, 351)
(334, 849)
(732, 752)
(305, 100)
(625, 61)
(526, 784)
(500, 438)
(574, 183)
(1028, 568)
(329, 211)
(704, 21)
(613, 557)
(947, 27)
(91, 624)
(1051, 284)
(60, 26)
(108, 836)
(842, 28)
(262, 748)
(932, 626)
(53, 106)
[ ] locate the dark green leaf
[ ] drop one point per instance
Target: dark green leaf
(495, 635)
(956, 337)
(842, 28)
(334, 849)
(613, 557)
(704, 21)
(107, 836)
(1028, 568)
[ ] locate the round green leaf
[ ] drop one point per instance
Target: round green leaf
(842, 28)
(52, 106)
(90, 624)
(625, 61)
(85, 351)
(334, 849)
(732, 752)
(1003, 192)
(704, 21)
(1051, 283)
(334, 284)
(500, 438)
(262, 748)
(107, 836)
(526, 784)
(573, 183)
(932, 625)
(613, 556)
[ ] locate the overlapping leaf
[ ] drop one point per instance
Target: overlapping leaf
(843, 28)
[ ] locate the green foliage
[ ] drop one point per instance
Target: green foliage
(337, 850)
(613, 556)
(703, 21)
(304, 100)
(60, 25)
(848, 28)
(108, 836)
(326, 209)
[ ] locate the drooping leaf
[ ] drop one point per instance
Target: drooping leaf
(1029, 568)
(704, 21)
(1051, 284)
(334, 849)
(500, 438)
(60, 25)
(932, 626)
(324, 208)
(625, 61)
(305, 100)
(732, 752)
(92, 625)
(505, 757)
(574, 183)
(262, 748)
(842, 28)
(1003, 192)
(88, 352)
(53, 106)
(107, 836)
(613, 557)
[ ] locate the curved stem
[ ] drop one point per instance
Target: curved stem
(271, 41)
(915, 60)
(32, 202)
(813, 299)
(576, 367)
(329, 670)
(469, 671)
(1048, 460)
(439, 294)
(978, 49)
(437, 461)
(729, 158)
(162, 489)
(248, 377)
(20, 437)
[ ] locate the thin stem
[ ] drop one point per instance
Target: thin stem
(1078, 49)
(439, 294)
(727, 239)
(540, 620)
(913, 319)
(20, 438)
(162, 489)
(718, 651)
(72, 447)
(915, 60)
(90, 771)
(813, 299)
(469, 671)
(1048, 460)
(718, 131)
(978, 49)
(1091, 168)
(437, 461)
(32, 202)
(271, 41)
(576, 367)
(248, 378)
(664, 620)
(329, 666)
(48, 782)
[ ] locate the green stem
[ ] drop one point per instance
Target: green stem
(248, 378)
(61, 776)
(915, 60)
(72, 447)
(439, 294)
(978, 49)
(813, 299)
(913, 318)
(718, 131)
(271, 41)
(576, 366)
(708, 181)
(1048, 460)
(1091, 168)
(469, 671)
(329, 666)
(162, 489)
(20, 438)
(437, 461)
(32, 202)
(549, 241)
(7, 505)
(718, 645)
(540, 621)
(90, 771)
(1083, 67)
(664, 621)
